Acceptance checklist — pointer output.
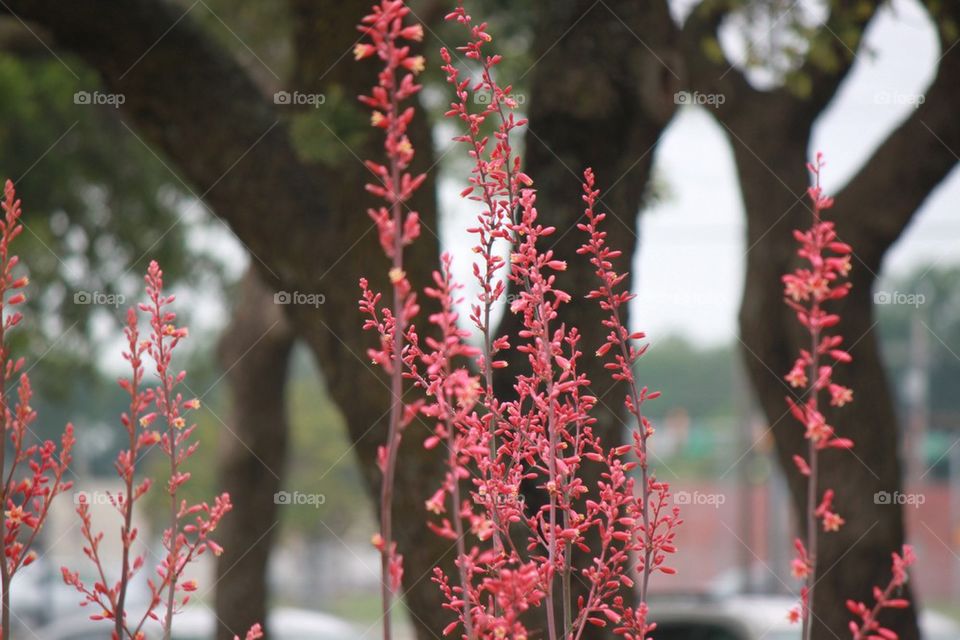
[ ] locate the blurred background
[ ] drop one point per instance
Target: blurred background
(222, 139)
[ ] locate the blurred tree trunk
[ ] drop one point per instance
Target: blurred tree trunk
(769, 132)
(324, 32)
(857, 557)
(254, 352)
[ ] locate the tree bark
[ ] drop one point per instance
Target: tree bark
(303, 223)
(254, 352)
(769, 133)
(858, 556)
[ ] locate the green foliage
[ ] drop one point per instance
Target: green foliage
(798, 83)
(327, 134)
(321, 459)
(713, 50)
(96, 201)
(928, 312)
(698, 380)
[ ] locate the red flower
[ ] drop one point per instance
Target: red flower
(542, 436)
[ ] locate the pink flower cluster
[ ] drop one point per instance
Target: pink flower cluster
(869, 628)
(512, 557)
(387, 37)
(33, 474)
(189, 525)
(28, 494)
(807, 291)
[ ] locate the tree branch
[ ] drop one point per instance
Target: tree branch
(709, 69)
(919, 153)
(840, 36)
(210, 118)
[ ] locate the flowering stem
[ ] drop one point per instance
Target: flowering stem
(4, 571)
(384, 32)
(566, 578)
(869, 626)
(25, 495)
(871, 616)
(165, 401)
(126, 537)
(812, 484)
(396, 391)
(553, 484)
(636, 401)
(806, 291)
(455, 500)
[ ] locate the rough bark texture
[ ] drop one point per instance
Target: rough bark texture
(770, 133)
(255, 353)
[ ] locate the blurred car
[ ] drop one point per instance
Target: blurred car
(39, 596)
(197, 623)
(751, 617)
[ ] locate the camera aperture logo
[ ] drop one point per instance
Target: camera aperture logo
(299, 499)
(299, 297)
(698, 498)
(901, 499)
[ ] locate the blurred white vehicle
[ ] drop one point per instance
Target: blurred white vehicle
(197, 623)
(39, 596)
(751, 617)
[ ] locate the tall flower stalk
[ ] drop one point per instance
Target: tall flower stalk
(189, 525)
(540, 438)
(111, 600)
(809, 290)
(189, 528)
(869, 627)
(819, 281)
(31, 475)
(622, 345)
(386, 36)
